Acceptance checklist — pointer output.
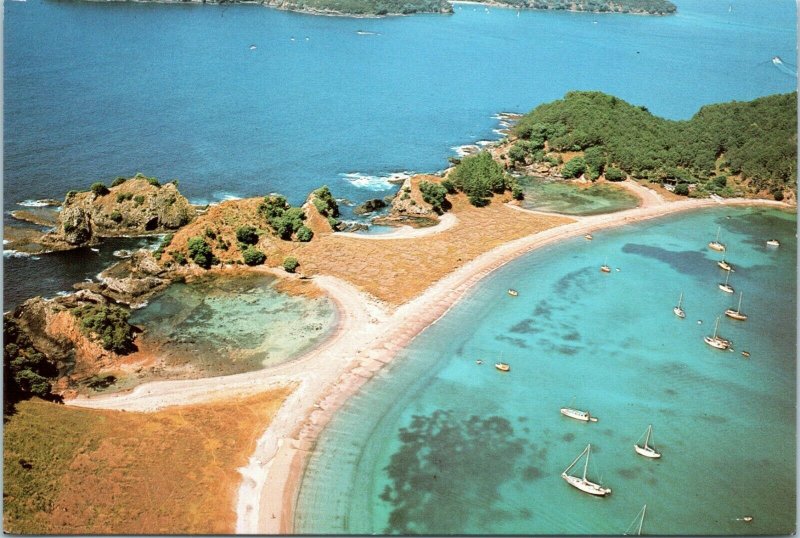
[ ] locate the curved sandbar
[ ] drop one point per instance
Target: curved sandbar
(446, 221)
(368, 336)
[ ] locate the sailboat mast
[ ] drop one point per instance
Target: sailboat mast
(586, 465)
(641, 521)
(571, 465)
(680, 300)
(739, 308)
(716, 326)
(647, 437)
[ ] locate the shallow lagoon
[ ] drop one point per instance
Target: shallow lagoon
(224, 325)
(438, 444)
(570, 198)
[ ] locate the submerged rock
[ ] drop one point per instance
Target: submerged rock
(370, 206)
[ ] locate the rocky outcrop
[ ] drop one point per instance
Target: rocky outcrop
(370, 206)
(135, 207)
(134, 280)
(408, 208)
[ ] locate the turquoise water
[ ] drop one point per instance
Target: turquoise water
(227, 325)
(96, 90)
(438, 444)
(571, 199)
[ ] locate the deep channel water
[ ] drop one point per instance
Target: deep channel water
(439, 444)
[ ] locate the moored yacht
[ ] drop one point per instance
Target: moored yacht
(727, 288)
(678, 310)
(646, 450)
(715, 244)
(717, 341)
(577, 414)
(737, 314)
(725, 265)
(582, 483)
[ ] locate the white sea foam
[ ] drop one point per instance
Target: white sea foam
(466, 149)
(37, 203)
(10, 253)
(6, 241)
(217, 198)
(375, 182)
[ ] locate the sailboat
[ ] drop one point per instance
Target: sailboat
(717, 341)
(646, 450)
(678, 310)
(725, 265)
(577, 414)
(737, 314)
(582, 483)
(640, 519)
(726, 287)
(605, 268)
(773, 243)
(715, 244)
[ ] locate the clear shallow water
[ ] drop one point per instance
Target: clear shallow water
(226, 325)
(571, 199)
(95, 90)
(406, 454)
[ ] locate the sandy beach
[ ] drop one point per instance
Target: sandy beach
(369, 335)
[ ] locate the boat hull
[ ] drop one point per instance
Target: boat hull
(735, 315)
(679, 312)
(586, 486)
(717, 343)
(583, 416)
(647, 452)
(714, 245)
(725, 266)
(726, 288)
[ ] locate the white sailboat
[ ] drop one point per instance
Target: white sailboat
(737, 314)
(717, 341)
(605, 267)
(715, 244)
(773, 243)
(725, 265)
(577, 414)
(640, 520)
(646, 450)
(678, 310)
(582, 483)
(727, 288)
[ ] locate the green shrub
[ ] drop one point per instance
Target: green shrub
(574, 168)
(253, 256)
(153, 181)
(304, 234)
(290, 264)
(69, 227)
(211, 234)
(99, 189)
(138, 199)
(449, 186)
(325, 202)
(70, 194)
(179, 257)
(247, 235)
(434, 194)
(516, 192)
(682, 189)
(478, 176)
(778, 194)
(116, 216)
(118, 181)
(333, 222)
(615, 174)
(109, 323)
(200, 252)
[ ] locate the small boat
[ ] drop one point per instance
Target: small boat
(646, 450)
(725, 265)
(577, 414)
(503, 367)
(773, 243)
(746, 354)
(715, 244)
(478, 361)
(253, 47)
(737, 314)
(512, 292)
(638, 519)
(582, 483)
(727, 288)
(605, 267)
(588, 237)
(717, 341)
(678, 310)
(95, 250)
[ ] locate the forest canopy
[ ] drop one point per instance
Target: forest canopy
(755, 139)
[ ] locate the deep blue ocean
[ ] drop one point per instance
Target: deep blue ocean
(96, 90)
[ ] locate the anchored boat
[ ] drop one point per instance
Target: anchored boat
(577, 414)
(503, 367)
(582, 483)
(717, 341)
(715, 244)
(725, 265)
(678, 310)
(737, 314)
(646, 450)
(727, 288)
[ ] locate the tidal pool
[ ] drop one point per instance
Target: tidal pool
(572, 199)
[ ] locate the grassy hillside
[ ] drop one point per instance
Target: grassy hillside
(650, 7)
(78, 471)
(754, 143)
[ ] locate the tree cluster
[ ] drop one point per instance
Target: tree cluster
(284, 219)
(26, 371)
(479, 176)
(108, 323)
(434, 194)
(757, 139)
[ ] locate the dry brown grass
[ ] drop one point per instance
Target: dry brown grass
(108, 472)
(392, 270)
